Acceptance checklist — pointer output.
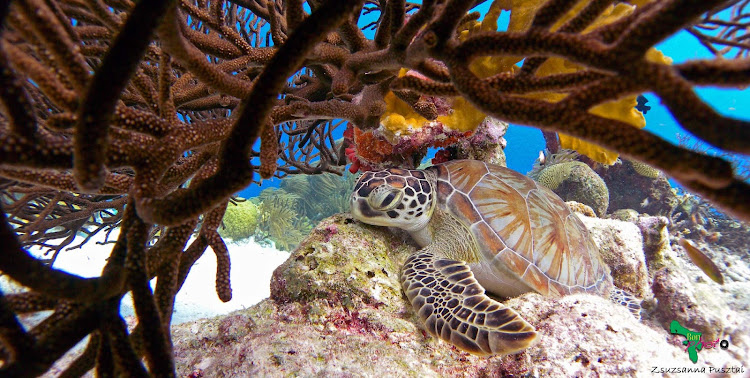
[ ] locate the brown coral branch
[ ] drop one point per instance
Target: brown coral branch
(170, 33)
(105, 88)
(162, 261)
(45, 26)
(85, 361)
(574, 25)
(295, 14)
(16, 342)
(660, 21)
(157, 347)
(734, 73)
(695, 115)
(722, 35)
(28, 271)
(269, 151)
(126, 361)
(223, 265)
(16, 101)
(234, 171)
(42, 76)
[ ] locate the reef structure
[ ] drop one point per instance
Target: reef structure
(337, 308)
(145, 116)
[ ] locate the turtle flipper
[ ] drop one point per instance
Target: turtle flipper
(454, 308)
(626, 299)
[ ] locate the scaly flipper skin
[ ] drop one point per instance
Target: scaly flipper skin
(453, 307)
(630, 301)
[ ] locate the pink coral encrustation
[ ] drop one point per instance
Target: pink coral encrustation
(368, 150)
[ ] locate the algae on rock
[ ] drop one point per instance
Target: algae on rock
(621, 247)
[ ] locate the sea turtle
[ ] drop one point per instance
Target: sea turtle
(482, 226)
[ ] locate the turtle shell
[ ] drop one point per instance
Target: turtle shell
(522, 228)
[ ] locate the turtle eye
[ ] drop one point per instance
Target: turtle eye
(387, 200)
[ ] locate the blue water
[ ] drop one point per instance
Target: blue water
(524, 143)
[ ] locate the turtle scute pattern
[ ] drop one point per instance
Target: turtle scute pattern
(522, 227)
(453, 307)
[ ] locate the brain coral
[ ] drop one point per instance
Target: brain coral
(240, 220)
(576, 181)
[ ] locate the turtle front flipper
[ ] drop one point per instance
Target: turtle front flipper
(454, 308)
(630, 301)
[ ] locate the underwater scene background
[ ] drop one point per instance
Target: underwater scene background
(313, 291)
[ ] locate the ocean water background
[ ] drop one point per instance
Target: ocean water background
(253, 263)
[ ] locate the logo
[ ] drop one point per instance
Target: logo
(693, 342)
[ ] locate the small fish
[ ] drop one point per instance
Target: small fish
(701, 260)
(541, 158)
(642, 101)
(645, 202)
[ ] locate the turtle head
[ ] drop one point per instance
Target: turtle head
(394, 198)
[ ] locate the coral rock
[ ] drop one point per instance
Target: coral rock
(349, 266)
(580, 208)
(337, 310)
(633, 186)
(677, 300)
(621, 246)
(685, 294)
(486, 144)
(655, 241)
(583, 335)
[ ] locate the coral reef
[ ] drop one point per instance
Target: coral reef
(576, 181)
(337, 308)
(240, 220)
(150, 115)
(485, 144)
(656, 245)
(279, 220)
(637, 186)
(320, 196)
(371, 150)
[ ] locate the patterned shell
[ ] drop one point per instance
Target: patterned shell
(522, 227)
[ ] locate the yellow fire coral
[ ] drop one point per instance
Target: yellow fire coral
(400, 118)
(621, 110)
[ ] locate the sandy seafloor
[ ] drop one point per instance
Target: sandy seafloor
(252, 266)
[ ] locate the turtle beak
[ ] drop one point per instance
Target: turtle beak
(354, 206)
